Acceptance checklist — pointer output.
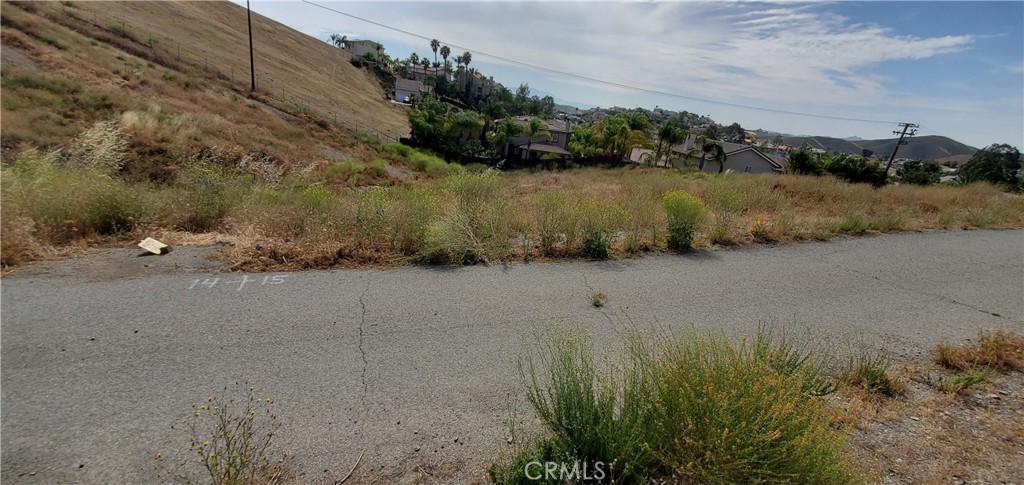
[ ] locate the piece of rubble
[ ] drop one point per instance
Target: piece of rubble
(154, 246)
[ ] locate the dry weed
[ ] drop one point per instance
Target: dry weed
(998, 350)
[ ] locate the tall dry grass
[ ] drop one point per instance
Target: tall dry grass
(472, 217)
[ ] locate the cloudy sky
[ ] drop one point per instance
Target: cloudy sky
(955, 68)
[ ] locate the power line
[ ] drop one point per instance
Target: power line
(599, 81)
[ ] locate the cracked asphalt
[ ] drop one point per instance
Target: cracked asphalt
(417, 363)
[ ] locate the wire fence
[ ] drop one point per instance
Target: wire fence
(192, 60)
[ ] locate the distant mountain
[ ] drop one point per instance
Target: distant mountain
(919, 148)
(853, 138)
(824, 143)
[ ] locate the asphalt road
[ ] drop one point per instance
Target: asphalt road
(388, 362)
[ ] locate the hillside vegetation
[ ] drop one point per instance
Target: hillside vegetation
(109, 136)
(182, 68)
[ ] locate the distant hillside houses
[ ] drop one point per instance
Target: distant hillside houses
(359, 48)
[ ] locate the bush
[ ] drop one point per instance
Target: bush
(557, 217)
(209, 192)
(684, 213)
(230, 442)
(68, 203)
(855, 169)
(999, 350)
(600, 219)
(692, 406)
(919, 173)
(871, 373)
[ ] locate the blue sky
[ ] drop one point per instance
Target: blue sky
(956, 68)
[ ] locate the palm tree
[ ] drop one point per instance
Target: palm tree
(339, 41)
(425, 63)
(534, 129)
(379, 47)
(502, 133)
(709, 147)
(466, 57)
(445, 52)
(434, 44)
(414, 59)
(669, 134)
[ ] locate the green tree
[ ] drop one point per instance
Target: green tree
(735, 133)
(802, 161)
(919, 173)
(445, 52)
(671, 133)
(708, 148)
(434, 45)
(535, 129)
(462, 124)
(501, 133)
(339, 41)
(854, 169)
(585, 141)
(999, 164)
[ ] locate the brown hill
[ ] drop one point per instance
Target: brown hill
(919, 148)
(175, 75)
(824, 143)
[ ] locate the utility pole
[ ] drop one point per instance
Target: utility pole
(252, 63)
(909, 130)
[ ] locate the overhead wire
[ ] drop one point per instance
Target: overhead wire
(596, 80)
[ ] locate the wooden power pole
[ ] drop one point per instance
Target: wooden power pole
(909, 130)
(252, 63)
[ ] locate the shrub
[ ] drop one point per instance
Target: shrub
(966, 379)
(209, 192)
(600, 219)
(871, 373)
(690, 406)
(102, 147)
(230, 442)
(557, 217)
(68, 203)
(684, 213)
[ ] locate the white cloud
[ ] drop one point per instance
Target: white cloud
(795, 57)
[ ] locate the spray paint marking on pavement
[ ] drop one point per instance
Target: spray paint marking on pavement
(210, 283)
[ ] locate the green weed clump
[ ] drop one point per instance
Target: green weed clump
(690, 406)
(479, 219)
(67, 202)
(685, 212)
(965, 380)
(600, 220)
(871, 373)
(209, 193)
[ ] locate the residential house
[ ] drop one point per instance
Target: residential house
(478, 86)
(738, 158)
(420, 73)
(360, 47)
(556, 145)
(406, 88)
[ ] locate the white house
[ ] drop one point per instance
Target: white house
(405, 88)
(360, 47)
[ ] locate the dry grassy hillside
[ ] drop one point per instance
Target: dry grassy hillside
(288, 63)
(175, 76)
